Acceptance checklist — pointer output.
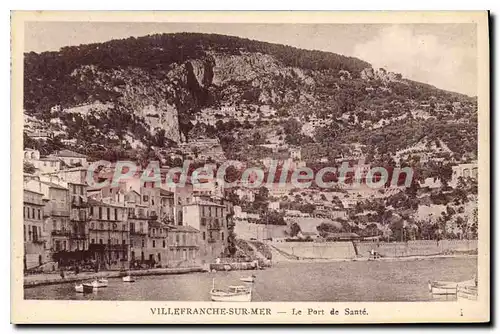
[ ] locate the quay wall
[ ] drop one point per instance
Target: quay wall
(415, 248)
(317, 250)
(49, 279)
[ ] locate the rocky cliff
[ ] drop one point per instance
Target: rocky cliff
(161, 83)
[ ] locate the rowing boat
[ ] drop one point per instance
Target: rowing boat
(447, 288)
(467, 293)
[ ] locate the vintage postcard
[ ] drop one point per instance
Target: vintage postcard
(250, 167)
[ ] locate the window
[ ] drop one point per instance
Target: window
(116, 214)
(145, 198)
(33, 213)
(24, 230)
(100, 241)
(123, 242)
(100, 213)
(92, 241)
(24, 212)
(210, 211)
(159, 257)
(154, 243)
(164, 244)
(39, 214)
(74, 189)
(142, 242)
(102, 226)
(109, 241)
(177, 238)
(203, 235)
(92, 226)
(108, 214)
(183, 238)
(222, 236)
(203, 221)
(91, 210)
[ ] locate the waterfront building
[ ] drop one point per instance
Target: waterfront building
(79, 215)
(35, 237)
(211, 220)
(183, 246)
(138, 219)
(109, 234)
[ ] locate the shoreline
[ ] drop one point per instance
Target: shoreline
(386, 259)
(32, 281)
(42, 279)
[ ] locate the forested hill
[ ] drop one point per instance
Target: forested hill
(156, 91)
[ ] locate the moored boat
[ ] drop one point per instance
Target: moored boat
(128, 279)
(79, 288)
(467, 293)
(234, 293)
(249, 279)
(447, 288)
(100, 283)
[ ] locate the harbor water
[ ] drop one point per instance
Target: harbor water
(292, 281)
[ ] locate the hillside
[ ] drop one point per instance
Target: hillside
(161, 90)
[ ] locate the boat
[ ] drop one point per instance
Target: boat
(128, 279)
(448, 288)
(100, 283)
(467, 293)
(249, 279)
(88, 287)
(79, 288)
(234, 293)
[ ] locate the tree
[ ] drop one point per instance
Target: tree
(295, 229)
(29, 168)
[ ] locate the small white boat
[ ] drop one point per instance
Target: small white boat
(467, 293)
(100, 283)
(448, 288)
(249, 279)
(235, 293)
(79, 288)
(128, 279)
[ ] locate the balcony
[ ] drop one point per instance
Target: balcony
(39, 240)
(211, 241)
(61, 233)
(213, 227)
(79, 236)
(138, 232)
(133, 215)
(108, 247)
(117, 247)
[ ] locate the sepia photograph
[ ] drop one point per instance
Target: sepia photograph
(310, 168)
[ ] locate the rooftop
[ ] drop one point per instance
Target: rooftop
(70, 154)
(183, 228)
(53, 185)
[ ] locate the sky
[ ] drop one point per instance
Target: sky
(443, 55)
